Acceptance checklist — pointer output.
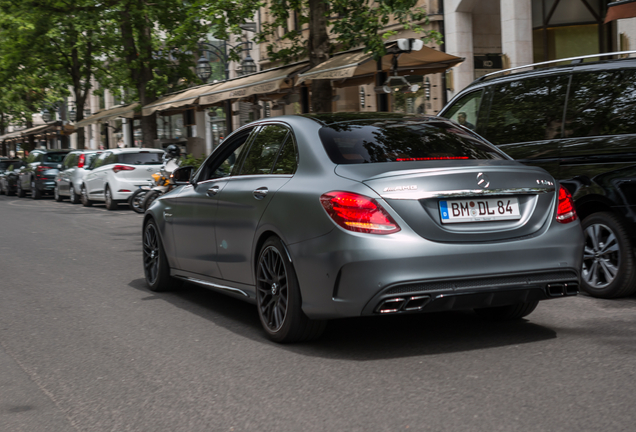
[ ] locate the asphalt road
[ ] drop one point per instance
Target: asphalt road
(84, 346)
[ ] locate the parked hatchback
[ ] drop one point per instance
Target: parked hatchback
(9, 169)
(578, 121)
(69, 180)
(115, 174)
(38, 175)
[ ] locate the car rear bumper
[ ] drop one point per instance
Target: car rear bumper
(345, 274)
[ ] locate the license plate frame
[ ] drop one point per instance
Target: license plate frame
(472, 210)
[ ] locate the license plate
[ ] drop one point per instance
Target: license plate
(479, 210)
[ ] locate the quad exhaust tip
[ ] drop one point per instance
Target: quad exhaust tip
(402, 304)
(562, 289)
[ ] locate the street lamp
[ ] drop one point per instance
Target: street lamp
(204, 69)
(46, 115)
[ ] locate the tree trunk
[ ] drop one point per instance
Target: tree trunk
(321, 90)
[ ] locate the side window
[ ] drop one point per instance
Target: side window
(527, 110)
(100, 160)
(466, 110)
(229, 158)
(288, 158)
(110, 158)
(264, 150)
(66, 162)
(602, 103)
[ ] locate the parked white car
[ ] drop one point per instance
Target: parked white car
(72, 171)
(117, 173)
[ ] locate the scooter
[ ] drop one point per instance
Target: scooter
(162, 184)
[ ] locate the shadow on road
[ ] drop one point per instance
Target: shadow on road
(365, 338)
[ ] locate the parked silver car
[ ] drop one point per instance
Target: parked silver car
(316, 217)
(73, 168)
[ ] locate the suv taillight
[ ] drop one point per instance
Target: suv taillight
(358, 213)
(82, 160)
(565, 211)
(39, 171)
(118, 168)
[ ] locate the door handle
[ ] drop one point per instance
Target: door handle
(260, 193)
(212, 191)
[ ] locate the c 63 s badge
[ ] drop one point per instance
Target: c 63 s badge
(400, 188)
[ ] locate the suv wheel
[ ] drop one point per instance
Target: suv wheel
(609, 268)
(111, 204)
(35, 192)
(86, 202)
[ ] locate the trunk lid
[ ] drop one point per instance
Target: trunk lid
(501, 200)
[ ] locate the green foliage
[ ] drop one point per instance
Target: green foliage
(190, 160)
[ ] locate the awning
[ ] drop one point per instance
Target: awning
(125, 111)
(177, 100)
(39, 130)
(264, 82)
(620, 9)
(353, 65)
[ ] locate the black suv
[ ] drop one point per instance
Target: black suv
(578, 121)
(38, 176)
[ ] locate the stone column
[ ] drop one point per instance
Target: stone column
(458, 23)
(516, 31)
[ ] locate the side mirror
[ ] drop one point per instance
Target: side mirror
(182, 175)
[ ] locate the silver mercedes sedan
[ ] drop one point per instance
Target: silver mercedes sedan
(314, 217)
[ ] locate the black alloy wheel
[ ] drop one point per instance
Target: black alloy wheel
(111, 204)
(156, 269)
(56, 194)
(609, 267)
(278, 297)
(73, 197)
(86, 202)
(136, 200)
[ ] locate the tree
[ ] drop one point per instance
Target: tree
(57, 43)
(337, 25)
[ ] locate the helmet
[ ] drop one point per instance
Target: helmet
(173, 151)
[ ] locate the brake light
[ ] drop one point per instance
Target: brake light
(82, 159)
(358, 213)
(565, 212)
(39, 171)
(432, 158)
(118, 168)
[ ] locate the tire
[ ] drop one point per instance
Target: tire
(278, 298)
(35, 192)
(136, 200)
(508, 313)
(111, 204)
(73, 197)
(21, 193)
(56, 194)
(156, 269)
(609, 269)
(86, 202)
(150, 197)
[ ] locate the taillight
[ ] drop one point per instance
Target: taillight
(40, 170)
(82, 159)
(118, 168)
(358, 213)
(565, 212)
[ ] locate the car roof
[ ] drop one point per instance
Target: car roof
(135, 150)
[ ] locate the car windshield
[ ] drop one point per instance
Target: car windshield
(54, 157)
(141, 158)
(387, 140)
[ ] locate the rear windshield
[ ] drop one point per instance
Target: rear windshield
(141, 158)
(54, 157)
(402, 141)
